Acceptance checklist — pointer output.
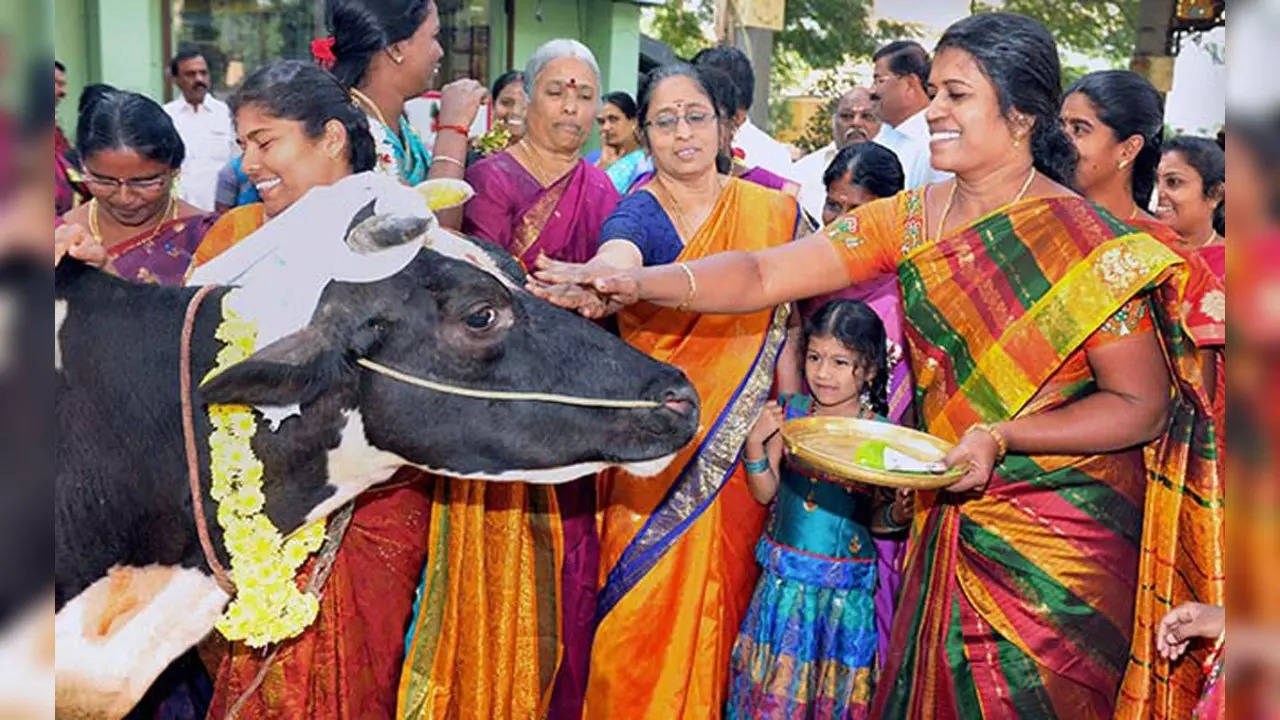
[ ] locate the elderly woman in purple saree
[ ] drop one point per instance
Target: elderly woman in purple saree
(536, 197)
(513, 210)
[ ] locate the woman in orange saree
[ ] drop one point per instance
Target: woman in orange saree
(300, 131)
(1045, 341)
(502, 626)
(677, 564)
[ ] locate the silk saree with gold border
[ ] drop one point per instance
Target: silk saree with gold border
(1035, 598)
(676, 550)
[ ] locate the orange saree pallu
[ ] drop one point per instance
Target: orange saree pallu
(677, 550)
(485, 642)
(501, 627)
(1029, 600)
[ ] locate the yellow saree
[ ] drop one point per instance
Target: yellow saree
(676, 550)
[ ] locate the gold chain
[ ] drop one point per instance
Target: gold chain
(951, 196)
(1213, 236)
(95, 231)
(534, 162)
(681, 217)
(370, 107)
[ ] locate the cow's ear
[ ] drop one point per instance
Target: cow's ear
(292, 370)
(379, 232)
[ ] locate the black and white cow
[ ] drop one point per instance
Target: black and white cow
(132, 587)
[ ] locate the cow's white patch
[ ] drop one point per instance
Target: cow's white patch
(354, 466)
(113, 639)
(59, 317)
(562, 474)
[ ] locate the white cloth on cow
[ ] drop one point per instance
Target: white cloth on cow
(284, 266)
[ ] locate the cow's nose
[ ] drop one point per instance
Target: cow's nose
(681, 400)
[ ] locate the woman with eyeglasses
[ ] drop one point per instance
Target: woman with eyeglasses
(130, 154)
(676, 549)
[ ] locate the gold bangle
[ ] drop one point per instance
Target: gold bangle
(693, 288)
(446, 158)
(1002, 445)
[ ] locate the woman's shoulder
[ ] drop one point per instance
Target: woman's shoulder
(639, 200)
(755, 192)
(596, 178)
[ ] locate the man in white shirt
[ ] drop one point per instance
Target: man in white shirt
(856, 119)
(204, 123)
(899, 80)
(755, 146)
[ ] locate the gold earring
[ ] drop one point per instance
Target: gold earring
(1123, 164)
(397, 59)
(1017, 140)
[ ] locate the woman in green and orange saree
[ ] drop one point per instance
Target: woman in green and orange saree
(1046, 342)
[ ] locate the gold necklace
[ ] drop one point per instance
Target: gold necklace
(681, 217)
(951, 196)
(1213, 237)
(369, 106)
(1134, 214)
(95, 231)
(536, 165)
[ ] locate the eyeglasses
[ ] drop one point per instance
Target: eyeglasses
(110, 184)
(698, 120)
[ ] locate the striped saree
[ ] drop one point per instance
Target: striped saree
(502, 623)
(1034, 598)
(676, 550)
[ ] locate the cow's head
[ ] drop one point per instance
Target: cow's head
(446, 320)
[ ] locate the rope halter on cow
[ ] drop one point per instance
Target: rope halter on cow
(504, 395)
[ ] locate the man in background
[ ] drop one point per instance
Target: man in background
(204, 122)
(856, 119)
(754, 146)
(68, 190)
(899, 83)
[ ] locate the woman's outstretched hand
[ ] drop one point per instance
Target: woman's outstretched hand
(593, 292)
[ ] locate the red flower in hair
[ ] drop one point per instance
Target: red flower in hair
(322, 51)
(739, 153)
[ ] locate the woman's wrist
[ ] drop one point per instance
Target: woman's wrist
(997, 436)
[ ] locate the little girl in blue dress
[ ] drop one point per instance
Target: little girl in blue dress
(807, 646)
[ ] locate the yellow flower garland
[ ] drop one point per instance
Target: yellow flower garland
(268, 606)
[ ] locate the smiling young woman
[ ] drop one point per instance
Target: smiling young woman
(300, 131)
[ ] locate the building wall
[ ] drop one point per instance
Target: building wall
(610, 29)
(25, 29)
(113, 41)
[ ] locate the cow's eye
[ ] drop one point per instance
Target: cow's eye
(481, 319)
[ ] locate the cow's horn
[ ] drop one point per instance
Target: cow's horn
(378, 232)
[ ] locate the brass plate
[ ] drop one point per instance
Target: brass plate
(829, 444)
